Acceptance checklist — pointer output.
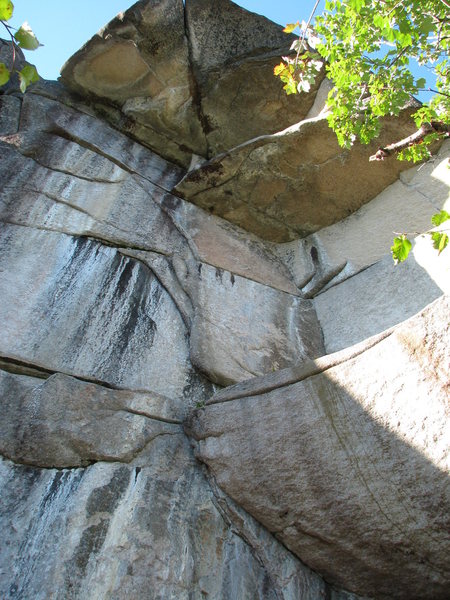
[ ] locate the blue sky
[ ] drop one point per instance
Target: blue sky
(63, 26)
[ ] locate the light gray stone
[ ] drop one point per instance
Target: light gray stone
(82, 188)
(366, 236)
(48, 114)
(9, 114)
(221, 244)
(107, 204)
(63, 422)
(115, 293)
(88, 311)
(348, 465)
(242, 328)
(151, 529)
(382, 296)
(432, 179)
(292, 183)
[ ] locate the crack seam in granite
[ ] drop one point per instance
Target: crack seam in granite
(17, 367)
(308, 369)
(224, 510)
(322, 281)
(195, 85)
(61, 132)
(89, 463)
(31, 156)
(322, 291)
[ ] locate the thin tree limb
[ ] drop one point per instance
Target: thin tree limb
(411, 140)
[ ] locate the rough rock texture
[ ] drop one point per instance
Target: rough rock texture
(149, 529)
(242, 328)
(341, 465)
(339, 251)
(98, 318)
(64, 422)
(188, 80)
(291, 183)
(123, 307)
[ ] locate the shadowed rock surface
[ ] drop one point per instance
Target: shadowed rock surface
(340, 463)
(291, 183)
(124, 307)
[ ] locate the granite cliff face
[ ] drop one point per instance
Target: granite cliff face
(208, 388)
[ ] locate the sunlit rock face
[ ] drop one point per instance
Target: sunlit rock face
(188, 78)
(173, 423)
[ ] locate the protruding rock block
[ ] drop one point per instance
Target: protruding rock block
(62, 422)
(140, 63)
(294, 182)
(344, 459)
(242, 329)
(193, 79)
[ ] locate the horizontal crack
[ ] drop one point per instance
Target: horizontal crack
(19, 367)
(148, 415)
(85, 144)
(292, 375)
(88, 463)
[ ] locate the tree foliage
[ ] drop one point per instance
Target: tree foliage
(367, 48)
(23, 38)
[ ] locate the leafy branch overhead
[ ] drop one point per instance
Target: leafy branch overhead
(23, 38)
(367, 47)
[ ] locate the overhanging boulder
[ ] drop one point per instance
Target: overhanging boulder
(292, 183)
(194, 79)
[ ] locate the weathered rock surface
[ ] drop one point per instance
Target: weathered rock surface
(233, 54)
(88, 311)
(242, 329)
(99, 183)
(140, 62)
(63, 422)
(123, 306)
(381, 296)
(340, 251)
(79, 184)
(153, 528)
(338, 458)
(294, 182)
(195, 79)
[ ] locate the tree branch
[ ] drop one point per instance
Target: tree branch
(415, 138)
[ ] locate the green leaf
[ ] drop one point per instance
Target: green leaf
(290, 27)
(26, 38)
(440, 241)
(356, 4)
(420, 83)
(400, 248)
(6, 10)
(440, 218)
(4, 74)
(27, 75)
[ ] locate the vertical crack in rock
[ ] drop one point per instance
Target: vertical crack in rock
(236, 523)
(195, 85)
